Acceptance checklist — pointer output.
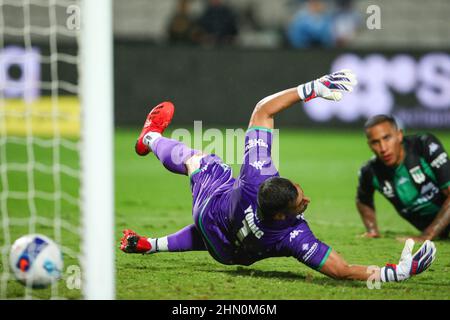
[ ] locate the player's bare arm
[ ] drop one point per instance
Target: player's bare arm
(409, 265)
(329, 87)
(369, 219)
(337, 268)
(267, 108)
(441, 221)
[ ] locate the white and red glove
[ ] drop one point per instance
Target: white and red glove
(409, 264)
(329, 87)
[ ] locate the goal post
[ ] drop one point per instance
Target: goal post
(96, 48)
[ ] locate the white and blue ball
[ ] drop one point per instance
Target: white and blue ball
(36, 260)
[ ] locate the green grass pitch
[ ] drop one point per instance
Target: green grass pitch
(154, 202)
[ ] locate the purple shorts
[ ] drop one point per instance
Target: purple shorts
(208, 185)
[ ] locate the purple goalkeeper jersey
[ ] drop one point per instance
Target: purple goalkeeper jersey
(224, 210)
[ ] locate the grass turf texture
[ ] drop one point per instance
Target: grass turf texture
(154, 202)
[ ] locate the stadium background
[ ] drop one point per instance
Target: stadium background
(403, 68)
(403, 65)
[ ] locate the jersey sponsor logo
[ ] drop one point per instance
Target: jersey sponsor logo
(417, 174)
(433, 147)
(427, 194)
(249, 226)
(256, 142)
(258, 165)
(388, 190)
(294, 234)
(439, 161)
(429, 187)
(310, 252)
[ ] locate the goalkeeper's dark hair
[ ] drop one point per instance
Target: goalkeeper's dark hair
(380, 118)
(275, 195)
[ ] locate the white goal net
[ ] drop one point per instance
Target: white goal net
(46, 114)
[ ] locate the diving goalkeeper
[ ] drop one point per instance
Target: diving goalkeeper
(259, 214)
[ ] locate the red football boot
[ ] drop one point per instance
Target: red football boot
(131, 242)
(157, 121)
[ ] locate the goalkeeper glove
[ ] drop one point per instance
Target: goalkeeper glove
(329, 86)
(409, 264)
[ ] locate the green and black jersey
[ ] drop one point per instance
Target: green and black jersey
(414, 187)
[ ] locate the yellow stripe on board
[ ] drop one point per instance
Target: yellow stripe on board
(44, 116)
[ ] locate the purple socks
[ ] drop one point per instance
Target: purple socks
(187, 239)
(172, 154)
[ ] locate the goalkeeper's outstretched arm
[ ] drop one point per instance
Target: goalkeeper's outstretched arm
(328, 87)
(409, 265)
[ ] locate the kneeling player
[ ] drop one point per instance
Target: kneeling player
(412, 172)
(259, 214)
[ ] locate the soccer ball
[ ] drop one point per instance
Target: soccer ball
(36, 260)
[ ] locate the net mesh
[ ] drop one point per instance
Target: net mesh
(39, 136)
